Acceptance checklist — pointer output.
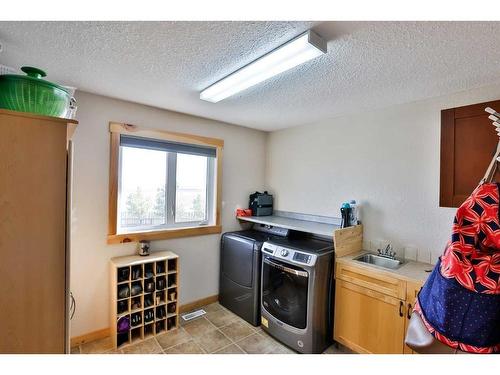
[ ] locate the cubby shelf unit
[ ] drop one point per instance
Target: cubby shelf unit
(144, 289)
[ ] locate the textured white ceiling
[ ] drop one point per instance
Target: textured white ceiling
(166, 64)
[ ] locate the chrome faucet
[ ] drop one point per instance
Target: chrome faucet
(387, 252)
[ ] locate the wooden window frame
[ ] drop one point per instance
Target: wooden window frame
(116, 129)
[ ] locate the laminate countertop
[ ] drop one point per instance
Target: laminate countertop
(409, 271)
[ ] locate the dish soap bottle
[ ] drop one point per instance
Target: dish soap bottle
(345, 211)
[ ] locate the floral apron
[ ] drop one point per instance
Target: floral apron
(460, 302)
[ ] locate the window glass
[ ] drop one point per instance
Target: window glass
(191, 188)
(143, 180)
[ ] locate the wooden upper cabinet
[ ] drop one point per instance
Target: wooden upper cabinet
(468, 142)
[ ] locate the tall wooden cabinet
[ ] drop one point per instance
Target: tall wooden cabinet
(33, 235)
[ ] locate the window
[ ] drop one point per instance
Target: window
(162, 184)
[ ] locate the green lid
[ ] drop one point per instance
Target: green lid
(34, 75)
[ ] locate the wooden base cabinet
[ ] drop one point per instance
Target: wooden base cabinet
(368, 321)
(412, 289)
(371, 310)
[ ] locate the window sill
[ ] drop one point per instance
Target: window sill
(164, 234)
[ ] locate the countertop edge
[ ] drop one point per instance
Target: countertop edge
(398, 274)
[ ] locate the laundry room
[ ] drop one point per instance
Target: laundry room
(290, 188)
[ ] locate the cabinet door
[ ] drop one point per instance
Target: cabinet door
(33, 234)
(468, 142)
(412, 289)
(368, 321)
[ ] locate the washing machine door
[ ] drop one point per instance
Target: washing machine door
(284, 291)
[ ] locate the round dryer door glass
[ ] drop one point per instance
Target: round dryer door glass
(284, 292)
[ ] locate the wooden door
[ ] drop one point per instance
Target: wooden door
(368, 321)
(32, 234)
(412, 289)
(468, 143)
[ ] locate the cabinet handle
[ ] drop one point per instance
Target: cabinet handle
(401, 308)
(408, 313)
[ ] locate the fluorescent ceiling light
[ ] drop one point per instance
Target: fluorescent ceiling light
(303, 48)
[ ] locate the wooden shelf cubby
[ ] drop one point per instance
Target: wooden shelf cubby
(144, 290)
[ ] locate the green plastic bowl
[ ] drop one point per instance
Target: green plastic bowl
(33, 94)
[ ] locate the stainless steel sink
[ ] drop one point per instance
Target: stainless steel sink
(379, 261)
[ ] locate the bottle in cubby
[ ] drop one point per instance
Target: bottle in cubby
(172, 265)
(136, 319)
(161, 282)
(161, 312)
(161, 267)
(136, 303)
(172, 295)
(149, 316)
(160, 326)
(123, 274)
(136, 273)
(172, 307)
(122, 306)
(160, 297)
(171, 323)
(136, 288)
(149, 330)
(149, 270)
(149, 285)
(123, 291)
(149, 300)
(172, 280)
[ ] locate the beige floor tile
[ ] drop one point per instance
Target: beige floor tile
(255, 344)
(230, 349)
(98, 346)
(198, 327)
(149, 346)
(172, 338)
(212, 341)
(221, 318)
(213, 307)
(257, 329)
(189, 347)
(237, 330)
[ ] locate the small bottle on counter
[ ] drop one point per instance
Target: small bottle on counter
(354, 219)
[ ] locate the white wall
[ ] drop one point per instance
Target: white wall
(243, 172)
(388, 159)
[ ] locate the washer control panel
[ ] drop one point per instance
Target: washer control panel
(291, 255)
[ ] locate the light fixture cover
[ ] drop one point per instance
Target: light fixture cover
(303, 48)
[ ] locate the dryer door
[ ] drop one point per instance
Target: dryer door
(237, 260)
(284, 291)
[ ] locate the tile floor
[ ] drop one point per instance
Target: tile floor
(219, 331)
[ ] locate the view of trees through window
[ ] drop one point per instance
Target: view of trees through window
(143, 200)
